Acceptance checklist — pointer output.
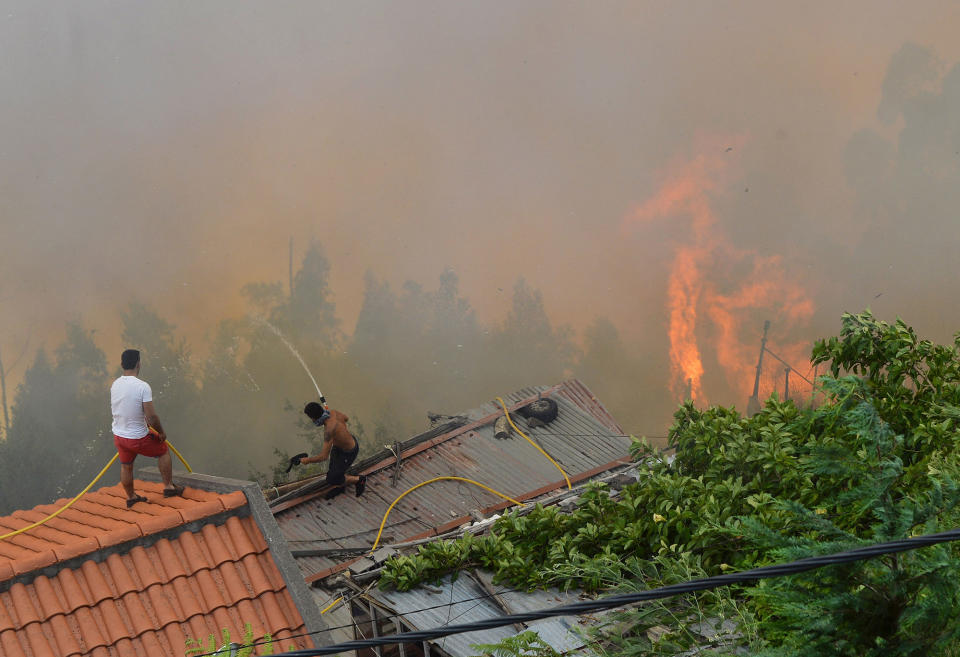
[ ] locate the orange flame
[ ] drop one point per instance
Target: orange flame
(695, 283)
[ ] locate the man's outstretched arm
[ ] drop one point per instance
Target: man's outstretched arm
(322, 456)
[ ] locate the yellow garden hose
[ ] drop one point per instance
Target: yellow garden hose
(329, 606)
(180, 456)
(84, 492)
(505, 412)
(430, 481)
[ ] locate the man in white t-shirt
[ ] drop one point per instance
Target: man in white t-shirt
(137, 428)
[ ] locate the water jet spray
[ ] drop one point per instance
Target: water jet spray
(293, 350)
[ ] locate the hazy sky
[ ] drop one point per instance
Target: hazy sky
(169, 151)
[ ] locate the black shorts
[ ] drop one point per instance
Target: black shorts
(339, 462)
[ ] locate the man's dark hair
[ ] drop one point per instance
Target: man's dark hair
(313, 410)
(129, 359)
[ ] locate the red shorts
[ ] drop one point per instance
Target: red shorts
(128, 448)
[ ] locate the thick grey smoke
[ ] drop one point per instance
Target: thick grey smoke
(167, 153)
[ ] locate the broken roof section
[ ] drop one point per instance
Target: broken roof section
(104, 580)
(326, 535)
(468, 598)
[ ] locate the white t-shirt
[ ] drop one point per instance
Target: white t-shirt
(127, 395)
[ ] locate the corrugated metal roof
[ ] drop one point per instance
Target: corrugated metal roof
(581, 439)
(466, 600)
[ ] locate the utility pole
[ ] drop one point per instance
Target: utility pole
(3, 394)
(786, 383)
(813, 388)
(753, 404)
(291, 266)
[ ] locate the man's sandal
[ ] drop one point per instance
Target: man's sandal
(133, 500)
(176, 491)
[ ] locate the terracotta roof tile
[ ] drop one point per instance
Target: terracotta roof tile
(235, 582)
(39, 645)
(49, 603)
(145, 599)
(76, 548)
(220, 551)
(116, 627)
(201, 510)
(10, 646)
(276, 619)
(162, 605)
(89, 628)
(186, 597)
(173, 633)
(33, 562)
(69, 585)
(156, 524)
(98, 589)
(234, 500)
(168, 558)
(125, 648)
(120, 535)
(97, 520)
(241, 541)
(67, 643)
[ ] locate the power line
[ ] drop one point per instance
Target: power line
(613, 601)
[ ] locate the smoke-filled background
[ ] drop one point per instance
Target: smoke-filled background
(437, 203)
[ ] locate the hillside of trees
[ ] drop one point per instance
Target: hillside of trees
(412, 350)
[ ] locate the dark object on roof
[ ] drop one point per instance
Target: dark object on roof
(441, 418)
(544, 410)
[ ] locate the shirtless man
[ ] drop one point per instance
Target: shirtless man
(338, 445)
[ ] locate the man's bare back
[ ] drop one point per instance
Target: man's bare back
(335, 430)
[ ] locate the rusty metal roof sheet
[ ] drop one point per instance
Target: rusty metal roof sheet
(584, 440)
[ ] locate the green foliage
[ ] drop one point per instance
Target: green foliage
(714, 622)
(877, 461)
(249, 647)
(524, 644)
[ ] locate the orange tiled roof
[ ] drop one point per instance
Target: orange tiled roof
(146, 597)
(98, 520)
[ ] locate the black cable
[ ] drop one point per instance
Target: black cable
(792, 368)
(610, 602)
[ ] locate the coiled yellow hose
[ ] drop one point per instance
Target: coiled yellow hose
(430, 481)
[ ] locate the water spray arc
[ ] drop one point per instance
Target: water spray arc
(293, 350)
